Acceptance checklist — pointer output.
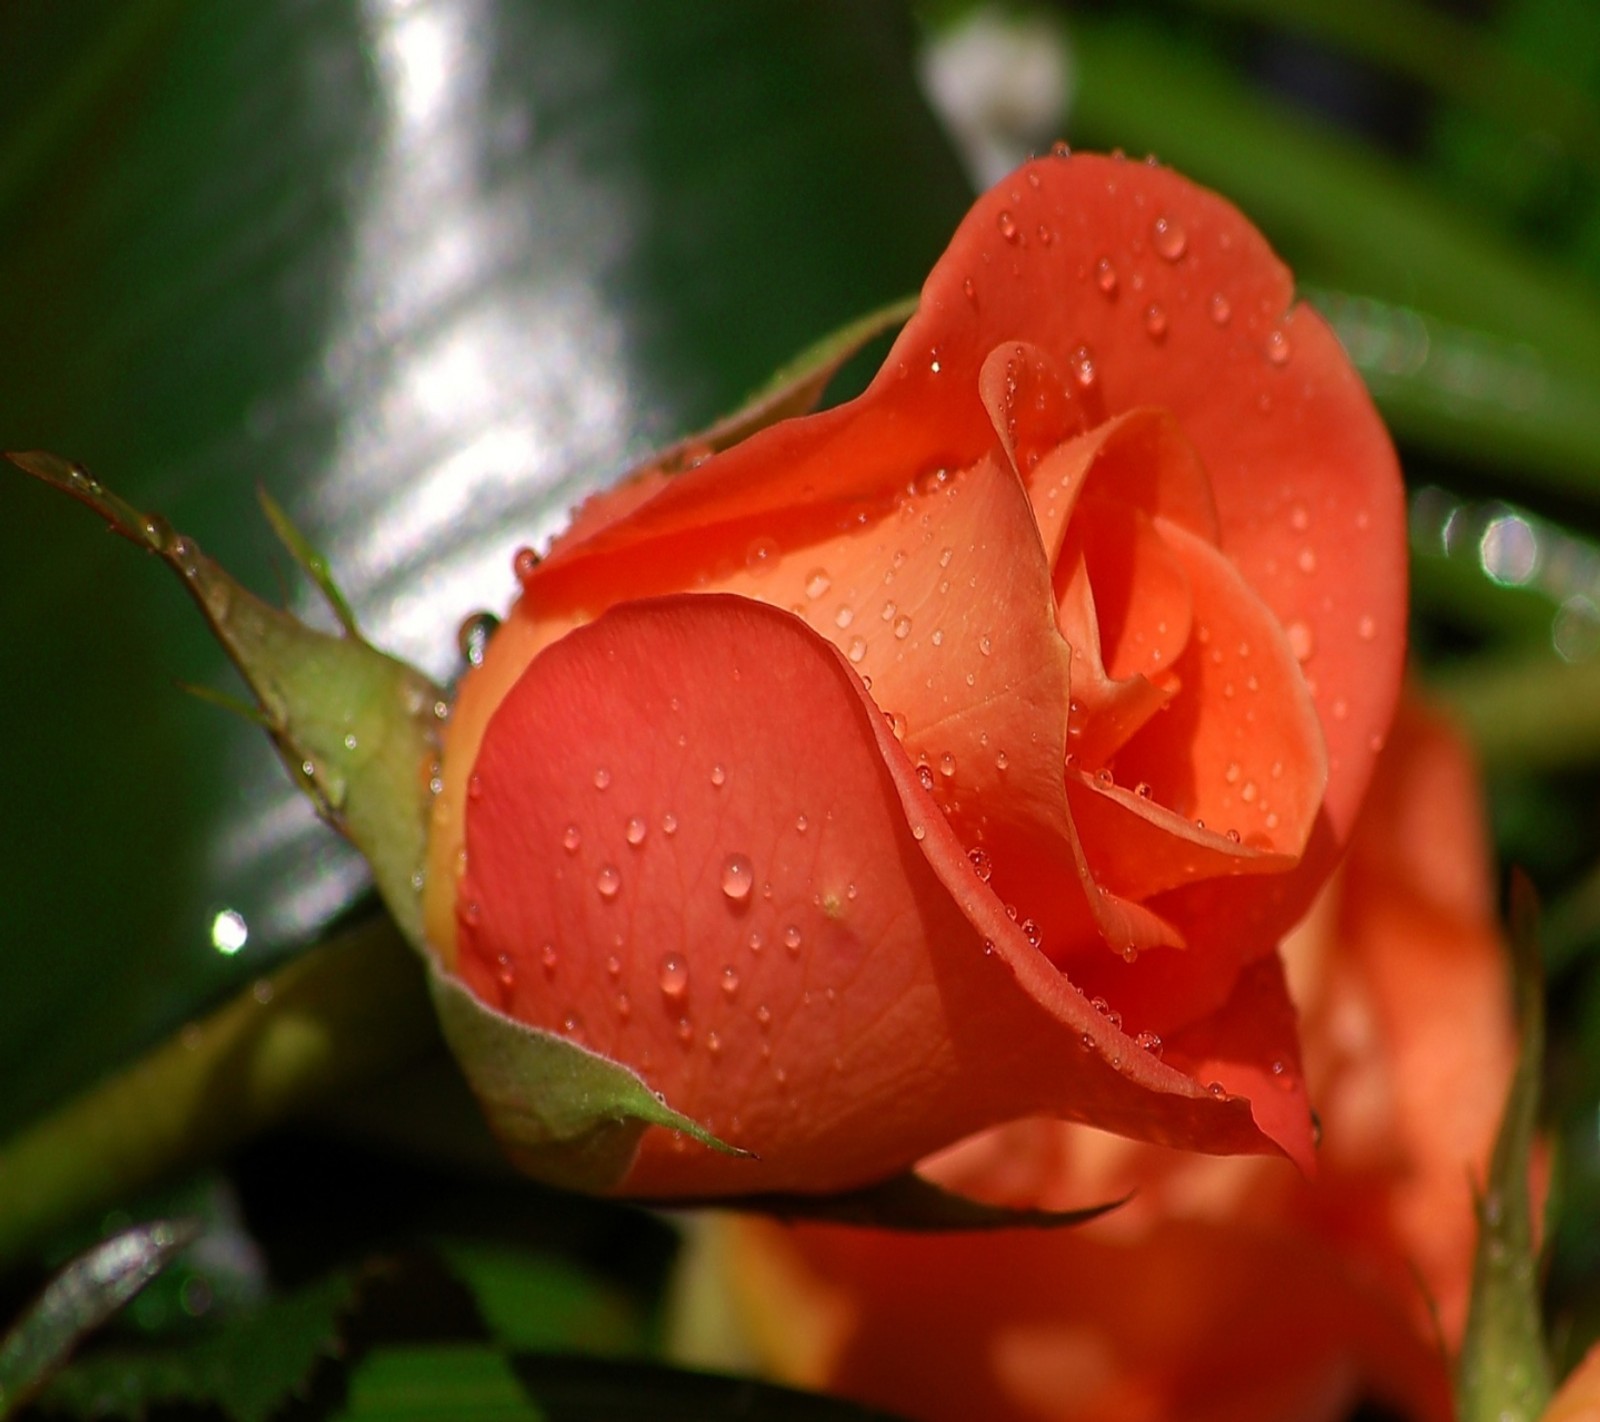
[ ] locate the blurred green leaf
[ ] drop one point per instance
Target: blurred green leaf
(428, 273)
(532, 1300)
(1485, 349)
(1504, 1372)
(80, 1298)
(248, 1370)
(472, 1383)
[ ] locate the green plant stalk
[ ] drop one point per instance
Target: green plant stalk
(1529, 711)
(340, 1017)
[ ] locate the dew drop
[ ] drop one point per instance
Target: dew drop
(572, 1024)
(473, 638)
(548, 957)
(737, 877)
(1278, 348)
(1030, 931)
(1001, 761)
(985, 645)
(947, 765)
(1105, 276)
(602, 778)
(919, 832)
(792, 938)
(801, 823)
(1217, 1089)
(1301, 641)
(1168, 238)
(970, 290)
(763, 1016)
(1007, 224)
(857, 649)
(1306, 561)
(1083, 367)
(761, 556)
(817, 583)
(844, 616)
(474, 783)
(1366, 629)
(1155, 322)
(673, 976)
(1103, 778)
(980, 863)
(713, 1044)
(925, 776)
(635, 831)
(523, 563)
(614, 966)
(719, 775)
(571, 838)
(624, 1006)
(902, 629)
(1232, 773)
(1299, 518)
(1142, 790)
(1150, 1041)
(669, 824)
(608, 882)
(1221, 309)
(730, 980)
(506, 971)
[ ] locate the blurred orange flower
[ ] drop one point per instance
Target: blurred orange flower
(1226, 1289)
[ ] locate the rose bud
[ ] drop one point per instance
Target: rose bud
(959, 753)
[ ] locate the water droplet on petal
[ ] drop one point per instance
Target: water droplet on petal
(1105, 276)
(1008, 225)
(1366, 629)
(602, 778)
(980, 863)
(1306, 561)
(673, 976)
(719, 775)
(737, 877)
(635, 831)
(1278, 348)
(669, 824)
(947, 765)
(761, 556)
(1217, 1089)
(1168, 238)
(857, 649)
(1221, 309)
(817, 583)
(792, 938)
(608, 882)
(1155, 322)
(1301, 641)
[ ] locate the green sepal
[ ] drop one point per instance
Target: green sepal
(793, 390)
(86, 1293)
(358, 730)
(912, 1204)
(1504, 1374)
(564, 1114)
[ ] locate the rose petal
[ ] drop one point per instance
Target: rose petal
(1197, 321)
(1241, 749)
(909, 1009)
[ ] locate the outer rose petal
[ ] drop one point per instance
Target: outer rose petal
(901, 1005)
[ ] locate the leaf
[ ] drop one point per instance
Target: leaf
(590, 1390)
(86, 1293)
(1504, 1373)
(532, 1300)
(564, 1114)
(449, 1382)
(911, 1203)
(430, 274)
(338, 1017)
(248, 1370)
(356, 729)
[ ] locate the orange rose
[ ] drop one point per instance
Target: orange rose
(1226, 1289)
(962, 752)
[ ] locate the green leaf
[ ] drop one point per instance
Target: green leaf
(430, 278)
(248, 1370)
(1504, 1372)
(356, 729)
(86, 1293)
(338, 1017)
(589, 1390)
(912, 1203)
(564, 1114)
(529, 1299)
(447, 1382)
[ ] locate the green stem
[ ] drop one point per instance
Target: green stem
(343, 1015)
(1529, 711)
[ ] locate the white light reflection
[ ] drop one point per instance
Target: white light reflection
(229, 932)
(1509, 550)
(476, 369)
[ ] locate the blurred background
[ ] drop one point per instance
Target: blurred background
(429, 270)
